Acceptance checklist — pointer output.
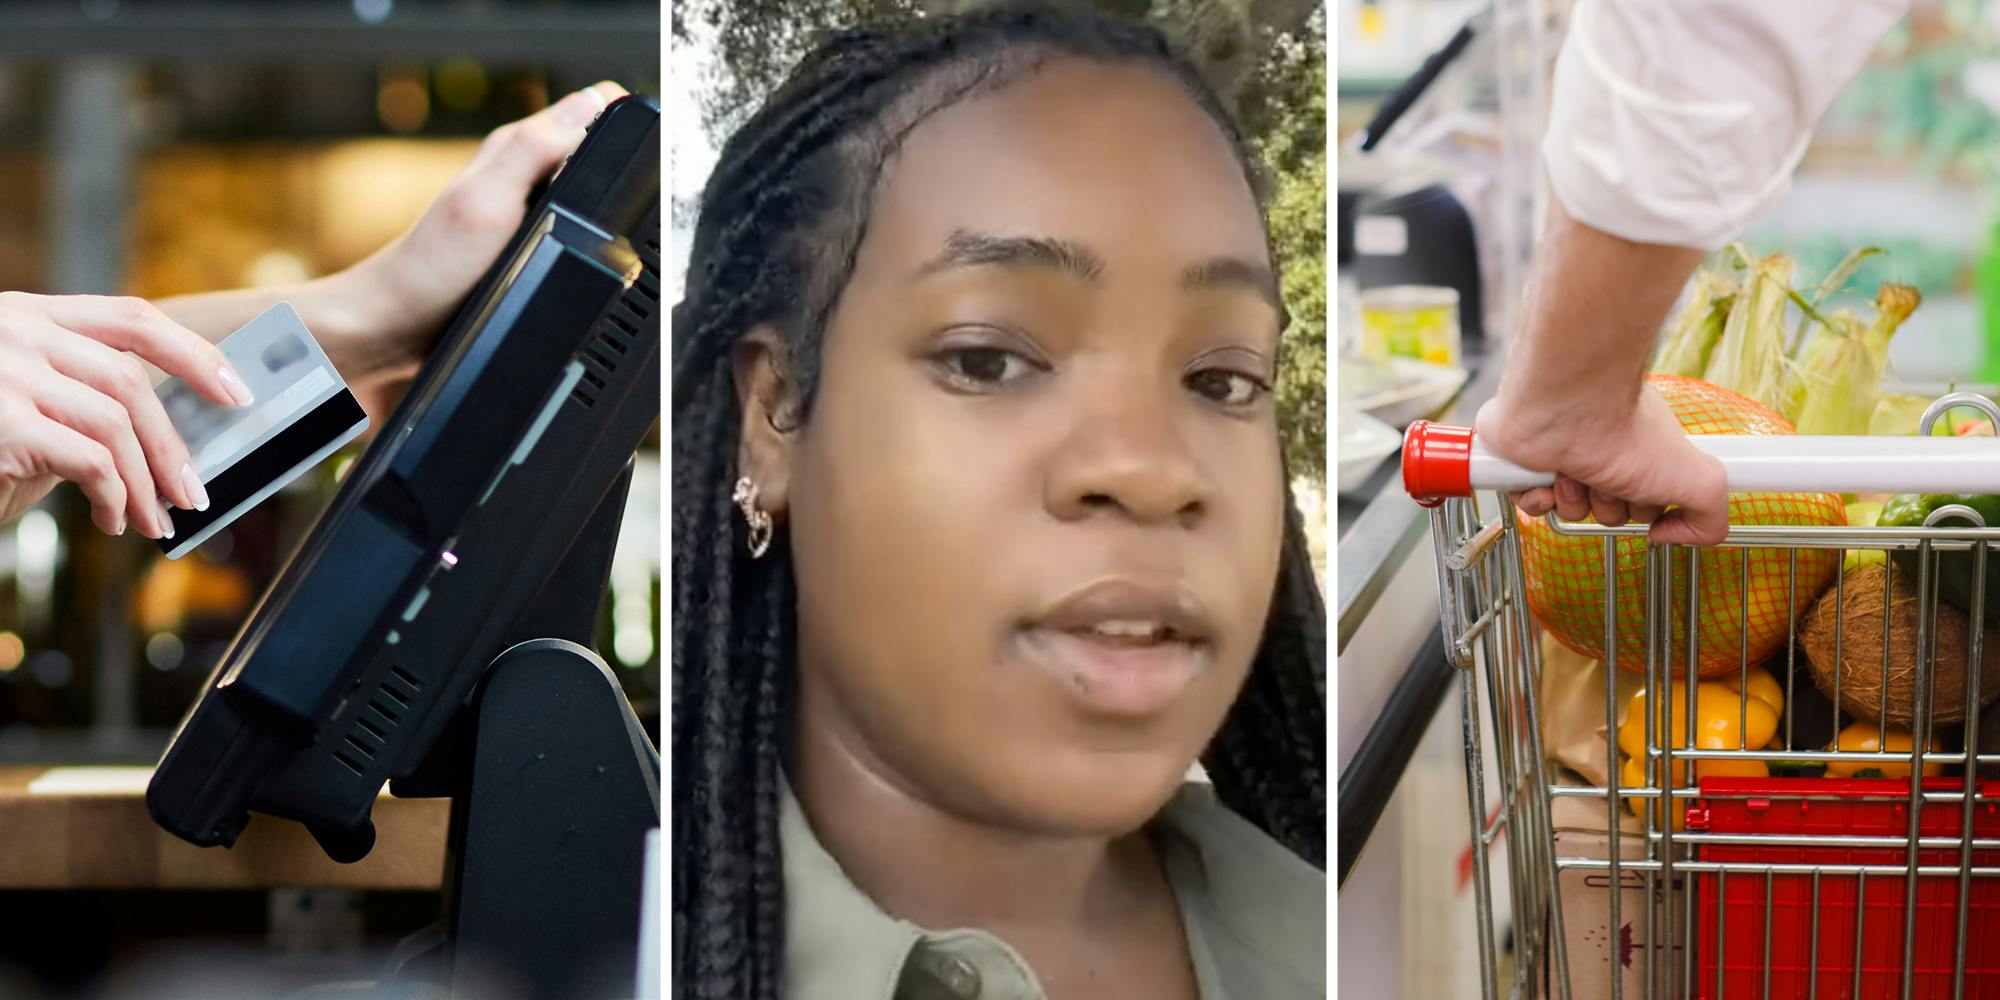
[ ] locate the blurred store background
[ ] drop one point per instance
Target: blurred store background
(162, 147)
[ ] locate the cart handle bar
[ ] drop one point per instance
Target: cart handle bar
(1442, 461)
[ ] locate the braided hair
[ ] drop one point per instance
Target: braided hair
(780, 222)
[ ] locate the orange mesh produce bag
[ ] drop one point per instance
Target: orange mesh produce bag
(1565, 576)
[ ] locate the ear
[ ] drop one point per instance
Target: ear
(764, 446)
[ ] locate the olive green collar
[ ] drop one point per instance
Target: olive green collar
(1255, 915)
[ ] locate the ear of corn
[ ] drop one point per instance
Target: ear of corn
(1835, 380)
(1825, 377)
(1749, 357)
(1691, 338)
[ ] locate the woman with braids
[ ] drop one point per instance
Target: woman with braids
(981, 539)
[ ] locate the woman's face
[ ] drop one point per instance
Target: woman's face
(1036, 507)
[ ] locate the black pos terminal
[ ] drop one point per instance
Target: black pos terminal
(434, 629)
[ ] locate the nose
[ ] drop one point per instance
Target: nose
(1127, 455)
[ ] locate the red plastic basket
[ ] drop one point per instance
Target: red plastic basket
(1733, 907)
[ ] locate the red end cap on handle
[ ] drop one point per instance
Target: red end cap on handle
(1437, 462)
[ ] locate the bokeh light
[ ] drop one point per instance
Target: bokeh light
(462, 85)
(403, 103)
(165, 651)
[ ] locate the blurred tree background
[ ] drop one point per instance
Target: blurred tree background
(1267, 59)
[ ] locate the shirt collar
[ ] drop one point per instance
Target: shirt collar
(836, 938)
(1247, 887)
(1232, 881)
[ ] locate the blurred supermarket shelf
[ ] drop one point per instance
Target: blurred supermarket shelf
(368, 30)
(1890, 200)
(1931, 349)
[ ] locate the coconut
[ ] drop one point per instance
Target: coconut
(1859, 603)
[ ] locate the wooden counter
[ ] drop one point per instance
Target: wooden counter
(87, 828)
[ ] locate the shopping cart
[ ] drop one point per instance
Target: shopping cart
(1725, 887)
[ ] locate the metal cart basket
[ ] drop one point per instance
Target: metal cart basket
(1712, 880)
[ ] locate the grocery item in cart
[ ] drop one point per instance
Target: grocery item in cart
(1862, 514)
(1874, 737)
(1766, 887)
(1572, 704)
(1596, 948)
(1875, 687)
(1955, 569)
(1725, 718)
(1746, 603)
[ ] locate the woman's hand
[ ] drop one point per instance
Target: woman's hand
(416, 282)
(77, 404)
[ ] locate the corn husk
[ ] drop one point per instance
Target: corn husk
(1691, 339)
(1835, 380)
(1897, 415)
(1893, 305)
(1750, 356)
(1834, 281)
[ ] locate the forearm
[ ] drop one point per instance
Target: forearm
(1590, 320)
(380, 318)
(345, 312)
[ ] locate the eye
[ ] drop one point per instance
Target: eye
(1227, 388)
(984, 366)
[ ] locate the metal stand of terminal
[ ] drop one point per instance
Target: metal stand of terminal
(554, 785)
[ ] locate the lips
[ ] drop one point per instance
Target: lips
(1121, 648)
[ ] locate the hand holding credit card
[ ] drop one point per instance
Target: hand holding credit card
(303, 412)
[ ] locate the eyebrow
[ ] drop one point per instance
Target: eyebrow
(1235, 272)
(965, 248)
(968, 248)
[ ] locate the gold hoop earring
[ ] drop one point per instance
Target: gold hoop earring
(756, 517)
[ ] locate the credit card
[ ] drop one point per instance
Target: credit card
(303, 413)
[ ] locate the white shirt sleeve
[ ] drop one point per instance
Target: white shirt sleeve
(1679, 122)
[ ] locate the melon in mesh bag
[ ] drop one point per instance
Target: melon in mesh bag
(1565, 576)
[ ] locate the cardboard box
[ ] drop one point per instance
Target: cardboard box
(1590, 942)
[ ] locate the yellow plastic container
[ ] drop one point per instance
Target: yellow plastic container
(1411, 321)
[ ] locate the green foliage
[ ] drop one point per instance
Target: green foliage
(1295, 152)
(761, 40)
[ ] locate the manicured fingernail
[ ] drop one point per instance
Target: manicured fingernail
(166, 520)
(235, 387)
(195, 491)
(579, 108)
(120, 530)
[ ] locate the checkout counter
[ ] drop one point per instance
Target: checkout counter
(1405, 920)
(1440, 187)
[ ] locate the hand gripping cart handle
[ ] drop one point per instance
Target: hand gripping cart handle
(1441, 461)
